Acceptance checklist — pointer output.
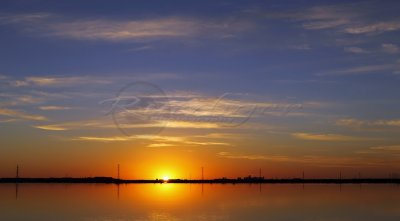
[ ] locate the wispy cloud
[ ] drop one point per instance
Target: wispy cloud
(51, 108)
(322, 17)
(160, 145)
(356, 50)
(325, 137)
(236, 107)
(22, 18)
(390, 48)
(324, 24)
(22, 98)
(391, 150)
(395, 148)
(375, 28)
(337, 17)
(160, 138)
(198, 143)
(125, 29)
(182, 111)
(141, 48)
(157, 140)
(219, 136)
(79, 80)
(191, 124)
(187, 140)
(103, 124)
(188, 143)
(348, 18)
(367, 69)
(252, 157)
(389, 122)
(350, 122)
(29, 98)
(104, 139)
(300, 47)
(203, 112)
(21, 115)
(8, 120)
(318, 161)
(75, 125)
(51, 127)
(60, 81)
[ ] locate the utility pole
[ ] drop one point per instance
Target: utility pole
(202, 173)
(118, 171)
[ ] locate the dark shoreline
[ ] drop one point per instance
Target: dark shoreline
(110, 180)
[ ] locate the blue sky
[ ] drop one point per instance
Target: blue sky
(339, 60)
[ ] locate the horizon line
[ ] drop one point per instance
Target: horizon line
(255, 180)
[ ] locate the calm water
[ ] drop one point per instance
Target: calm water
(196, 202)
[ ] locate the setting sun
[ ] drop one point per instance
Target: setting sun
(165, 178)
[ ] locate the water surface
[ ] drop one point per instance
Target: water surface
(102, 202)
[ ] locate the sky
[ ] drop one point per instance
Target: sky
(164, 88)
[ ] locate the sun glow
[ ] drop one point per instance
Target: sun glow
(165, 178)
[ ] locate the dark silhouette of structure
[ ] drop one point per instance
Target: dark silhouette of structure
(118, 172)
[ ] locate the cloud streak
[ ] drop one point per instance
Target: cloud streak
(390, 48)
(125, 29)
(350, 122)
(375, 28)
(367, 69)
(21, 115)
(22, 18)
(319, 161)
(50, 127)
(324, 137)
(356, 50)
(59, 81)
(53, 108)
(394, 148)
(386, 151)
(103, 139)
(158, 141)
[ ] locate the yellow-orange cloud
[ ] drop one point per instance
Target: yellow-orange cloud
(21, 115)
(324, 137)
